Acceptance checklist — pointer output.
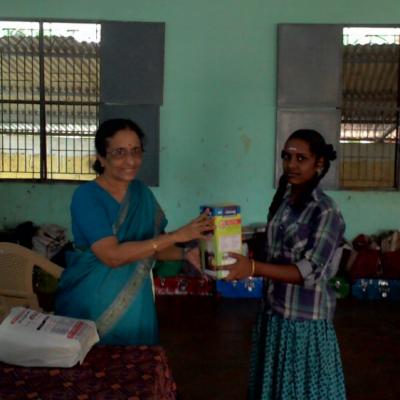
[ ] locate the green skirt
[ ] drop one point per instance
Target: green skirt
(295, 360)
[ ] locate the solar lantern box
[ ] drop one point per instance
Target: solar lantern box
(226, 238)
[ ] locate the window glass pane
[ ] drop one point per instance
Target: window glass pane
(72, 96)
(19, 141)
(70, 141)
(370, 113)
(50, 96)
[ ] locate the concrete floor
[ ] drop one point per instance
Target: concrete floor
(207, 341)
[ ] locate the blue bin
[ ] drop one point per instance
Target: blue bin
(244, 288)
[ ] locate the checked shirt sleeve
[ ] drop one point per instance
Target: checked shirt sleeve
(321, 255)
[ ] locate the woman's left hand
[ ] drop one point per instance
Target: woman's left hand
(198, 228)
(241, 269)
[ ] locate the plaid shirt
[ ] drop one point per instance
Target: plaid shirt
(310, 239)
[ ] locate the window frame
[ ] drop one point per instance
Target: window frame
(298, 62)
(148, 59)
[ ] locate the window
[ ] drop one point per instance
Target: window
(59, 80)
(369, 135)
(345, 83)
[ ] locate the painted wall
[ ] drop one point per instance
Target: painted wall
(218, 117)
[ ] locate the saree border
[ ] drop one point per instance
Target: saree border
(112, 314)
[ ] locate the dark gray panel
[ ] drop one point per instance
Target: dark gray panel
(327, 122)
(132, 62)
(309, 65)
(148, 118)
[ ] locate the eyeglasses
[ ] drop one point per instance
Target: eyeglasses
(121, 153)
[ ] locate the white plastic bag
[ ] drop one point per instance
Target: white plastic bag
(32, 339)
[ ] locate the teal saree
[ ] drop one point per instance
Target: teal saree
(119, 300)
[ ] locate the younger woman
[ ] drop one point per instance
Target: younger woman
(295, 353)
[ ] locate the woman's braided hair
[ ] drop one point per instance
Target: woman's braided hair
(319, 148)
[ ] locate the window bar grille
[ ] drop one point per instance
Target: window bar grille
(90, 95)
(69, 87)
(34, 117)
(381, 130)
(2, 113)
(9, 108)
(64, 86)
(81, 116)
(17, 99)
(397, 138)
(43, 152)
(33, 98)
(49, 132)
(25, 111)
(74, 108)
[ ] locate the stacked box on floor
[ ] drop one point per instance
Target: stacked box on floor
(244, 288)
(376, 289)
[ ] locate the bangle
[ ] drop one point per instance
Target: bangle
(253, 267)
(154, 244)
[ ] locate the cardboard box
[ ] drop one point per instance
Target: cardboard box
(227, 237)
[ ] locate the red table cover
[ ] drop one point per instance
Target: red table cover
(108, 372)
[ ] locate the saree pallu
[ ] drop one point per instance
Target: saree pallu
(119, 300)
(295, 360)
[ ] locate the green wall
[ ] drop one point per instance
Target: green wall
(218, 117)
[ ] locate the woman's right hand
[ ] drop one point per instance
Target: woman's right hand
(199, 228)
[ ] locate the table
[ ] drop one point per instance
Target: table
(108, 372)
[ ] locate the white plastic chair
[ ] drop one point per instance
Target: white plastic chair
(16, 275)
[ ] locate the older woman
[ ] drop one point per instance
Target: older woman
(118, 230)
